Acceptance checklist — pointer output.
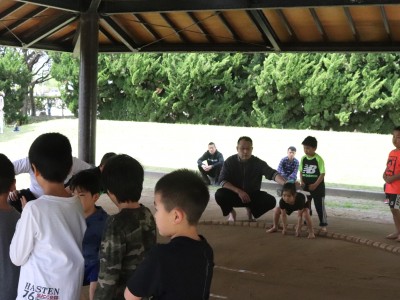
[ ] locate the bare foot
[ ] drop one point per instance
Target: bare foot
(311, 235)
(272, 229)
(249, 215)
(283, 231)
(393, 236)
(232, 216)
(324, 229)
(298, 228)
(297, 233)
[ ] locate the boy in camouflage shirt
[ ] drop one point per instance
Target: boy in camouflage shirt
(130, 233)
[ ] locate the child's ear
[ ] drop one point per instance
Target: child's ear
(13, 186)
(35, 171)
(179, 215)
(96, 197)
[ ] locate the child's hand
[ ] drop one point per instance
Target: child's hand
(23, 201)
(13, 196)
(312, 187)
(389, 179)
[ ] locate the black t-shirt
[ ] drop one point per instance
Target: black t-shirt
(179, 270)
(299, 204)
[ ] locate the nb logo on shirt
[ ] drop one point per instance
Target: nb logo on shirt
(309, 169)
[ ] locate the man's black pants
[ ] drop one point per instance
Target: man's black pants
(260, 203)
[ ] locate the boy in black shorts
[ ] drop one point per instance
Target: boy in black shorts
(183, 268)
(292, 201)
(392, 186)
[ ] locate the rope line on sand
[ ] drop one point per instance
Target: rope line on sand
(239, 271)
(326, 234)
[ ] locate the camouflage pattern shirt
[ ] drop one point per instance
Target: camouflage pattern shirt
(128, 237)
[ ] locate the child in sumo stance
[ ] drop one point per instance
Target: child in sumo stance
(183, 268)
(86, 185)
(47, 243)
(292, 201)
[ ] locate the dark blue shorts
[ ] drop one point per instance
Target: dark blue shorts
(91, 273)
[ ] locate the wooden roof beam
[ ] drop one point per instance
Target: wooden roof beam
(49, 29)
(67, 5)
(141, 6)
(121, 34)
(201, 27)
(10, 10)
(202, 47)
(23, 19)
(148, 28)
(351, 23)
(286, 24)
(386, 22)
(107, 34)
(173, 26)
(266, 28)
(318, 23)
(228, 26)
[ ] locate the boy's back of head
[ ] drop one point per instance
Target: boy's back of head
(7, 174)
(51, 153)
(106, 157)
(184, 189)
(123, 176)
(86, 180)
(310, 141)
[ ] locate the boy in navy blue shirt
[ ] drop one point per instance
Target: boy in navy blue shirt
(86, 185)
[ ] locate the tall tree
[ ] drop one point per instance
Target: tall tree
(38, 64)
(14, 81)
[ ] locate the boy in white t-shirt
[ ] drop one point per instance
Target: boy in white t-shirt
(47, 243)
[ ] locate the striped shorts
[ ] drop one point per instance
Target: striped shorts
(394, 201)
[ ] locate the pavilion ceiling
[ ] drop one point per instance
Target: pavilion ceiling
(205, 26)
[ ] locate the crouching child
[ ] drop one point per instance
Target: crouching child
(292, 201)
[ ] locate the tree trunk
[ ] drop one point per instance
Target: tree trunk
(32, 100)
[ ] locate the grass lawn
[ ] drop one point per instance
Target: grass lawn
(355, 160)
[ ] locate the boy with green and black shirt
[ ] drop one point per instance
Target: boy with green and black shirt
(312, 173)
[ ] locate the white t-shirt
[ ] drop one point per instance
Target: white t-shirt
(47, 244)
(23, 165)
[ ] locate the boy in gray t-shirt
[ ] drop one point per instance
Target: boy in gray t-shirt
(9, 273)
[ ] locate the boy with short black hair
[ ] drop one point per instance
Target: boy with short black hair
(292, 201)
(183, 268)
(312, 174)
(392, 186)
(129, 234)
(86, 185)
(47, 243)
(9, 273)
(289, 165)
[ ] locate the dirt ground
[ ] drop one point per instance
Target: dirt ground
(251, 264)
